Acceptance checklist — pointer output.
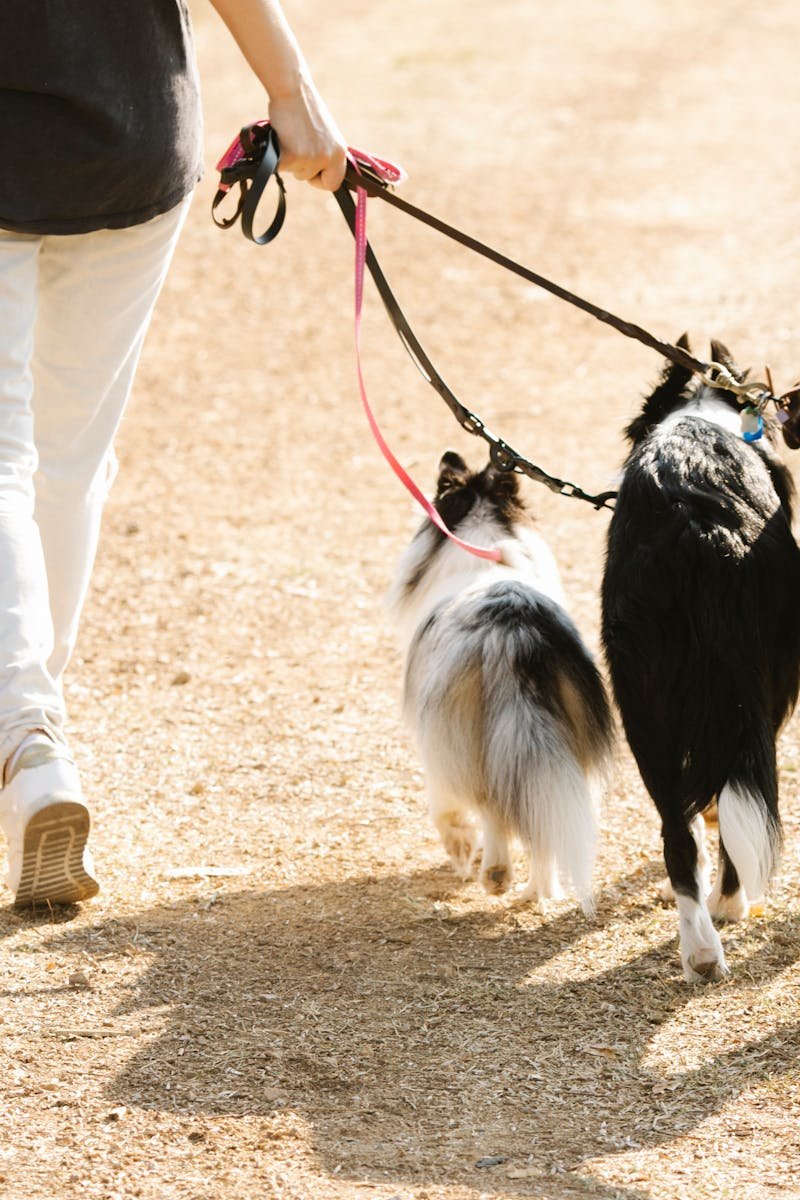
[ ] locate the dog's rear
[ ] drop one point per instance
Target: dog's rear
(701, 596)
(510, 715)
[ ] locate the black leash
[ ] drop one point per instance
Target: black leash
(753, 395)
(252, 170)
(257, 163)
(502, 455)
(375, 187)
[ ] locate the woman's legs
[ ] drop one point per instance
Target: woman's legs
(28, 698)
(95, 304)
(74, 312)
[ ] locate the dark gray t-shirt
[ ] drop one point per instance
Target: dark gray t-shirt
(100, 122)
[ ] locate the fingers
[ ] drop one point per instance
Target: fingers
(312, 148)
(331, 175)
(301, 169)
(325, 172)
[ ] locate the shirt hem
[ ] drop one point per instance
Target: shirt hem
(91, 224)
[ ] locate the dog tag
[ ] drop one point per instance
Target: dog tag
(752, 425)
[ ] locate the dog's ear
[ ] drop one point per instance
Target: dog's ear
(666, 395)
(721, 354)
(452, 471)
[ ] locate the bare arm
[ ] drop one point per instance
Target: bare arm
(312, 147)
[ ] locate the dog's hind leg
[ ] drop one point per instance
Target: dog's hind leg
(456, 829)
(698, 828)
(728, 901)
(702, 955)
(543, 881)
(496, 870)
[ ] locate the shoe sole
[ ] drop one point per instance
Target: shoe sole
(53, 871)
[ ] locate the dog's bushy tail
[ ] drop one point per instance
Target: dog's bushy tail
(547, 735)
(749, 824)
(546, 799)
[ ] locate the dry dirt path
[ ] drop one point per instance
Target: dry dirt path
(328, 1014)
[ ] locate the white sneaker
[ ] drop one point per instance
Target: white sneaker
(46, 822)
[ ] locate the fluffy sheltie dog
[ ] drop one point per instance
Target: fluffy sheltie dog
(509, 712)
(701, 627)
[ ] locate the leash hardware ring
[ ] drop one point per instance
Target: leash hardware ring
(758, 396)
(716, 375)
(473, 424)
(502, 456)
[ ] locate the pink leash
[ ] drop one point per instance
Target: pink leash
(390, 173)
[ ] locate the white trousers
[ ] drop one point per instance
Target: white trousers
(74, 311)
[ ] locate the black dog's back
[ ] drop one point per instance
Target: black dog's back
(701, 600)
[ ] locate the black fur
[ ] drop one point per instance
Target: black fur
(701, 615)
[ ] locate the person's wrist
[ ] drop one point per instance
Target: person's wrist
(291, 86)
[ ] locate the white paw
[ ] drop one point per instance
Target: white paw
(665, 893)
(705, 965)
(541, 893)
(462, 846)
(702, 955)
(728, 908)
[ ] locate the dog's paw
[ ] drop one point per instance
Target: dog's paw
(705, 965)
(463, 848)
(729, 908)
(665, 892)
(702, 955)
(496, 878)
(535, 892)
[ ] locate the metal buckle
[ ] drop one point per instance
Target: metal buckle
(754, 394)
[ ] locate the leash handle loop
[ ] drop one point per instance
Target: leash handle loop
(266, 169)
(251, 160)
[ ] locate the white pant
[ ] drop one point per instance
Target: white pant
(74, 311)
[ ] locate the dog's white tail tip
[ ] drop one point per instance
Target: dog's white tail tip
(750, 836)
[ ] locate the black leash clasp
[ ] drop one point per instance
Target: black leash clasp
(251, 161)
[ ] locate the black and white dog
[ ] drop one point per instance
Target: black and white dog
(701, 627)
(510, 714)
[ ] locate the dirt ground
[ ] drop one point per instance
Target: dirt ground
(282, 990)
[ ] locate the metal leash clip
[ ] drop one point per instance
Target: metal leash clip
(754, 394)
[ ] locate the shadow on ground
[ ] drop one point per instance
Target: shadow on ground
(416, 1040)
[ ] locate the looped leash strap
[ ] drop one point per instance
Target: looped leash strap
(251, 160)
